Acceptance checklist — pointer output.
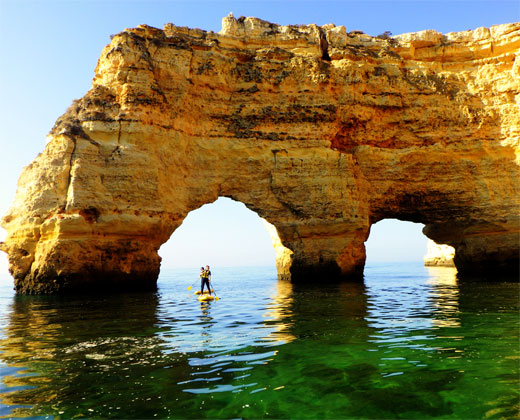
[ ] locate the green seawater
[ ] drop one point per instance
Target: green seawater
(410, 342)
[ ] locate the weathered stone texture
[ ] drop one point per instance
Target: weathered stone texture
(320, 131)
(439, 255)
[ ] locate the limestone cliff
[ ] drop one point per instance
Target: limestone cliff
(322, 132)
(439, 255)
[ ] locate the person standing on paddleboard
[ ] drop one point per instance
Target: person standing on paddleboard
(201, 278)
(205, 278)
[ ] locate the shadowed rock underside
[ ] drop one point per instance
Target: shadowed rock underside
(320, 131)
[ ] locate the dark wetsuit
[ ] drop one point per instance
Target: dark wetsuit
(204, 280)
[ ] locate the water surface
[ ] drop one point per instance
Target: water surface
(410, 342)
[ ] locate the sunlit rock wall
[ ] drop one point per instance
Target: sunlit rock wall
(321, 131)
(439, 255)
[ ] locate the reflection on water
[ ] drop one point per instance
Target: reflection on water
(444, 295)
(411, 336)
(278, 313)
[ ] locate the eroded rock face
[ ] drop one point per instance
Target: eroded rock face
(320, 131)
(439, 255)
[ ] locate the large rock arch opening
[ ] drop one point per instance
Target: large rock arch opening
(224, 233)
(319, 131)
(398, 241)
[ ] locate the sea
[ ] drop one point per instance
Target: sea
(410, 342)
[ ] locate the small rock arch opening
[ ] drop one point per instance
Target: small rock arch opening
(224, 233)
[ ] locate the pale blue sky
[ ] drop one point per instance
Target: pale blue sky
(236, 236)
(49, 50)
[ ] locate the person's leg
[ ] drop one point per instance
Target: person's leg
(201, 285)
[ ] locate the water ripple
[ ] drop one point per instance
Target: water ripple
(433, 347)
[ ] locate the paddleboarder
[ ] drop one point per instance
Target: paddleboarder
(205, 278)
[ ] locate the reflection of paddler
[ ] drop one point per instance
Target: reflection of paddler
(205, 278)
(205, 297)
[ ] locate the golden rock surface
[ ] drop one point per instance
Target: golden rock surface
(322, 132)
(439, 255)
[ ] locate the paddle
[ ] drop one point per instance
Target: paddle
(213, 288)
(189, 288)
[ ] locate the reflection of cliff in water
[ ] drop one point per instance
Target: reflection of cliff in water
(346, 350)
(444, 296)
(478, 321)
(74, 356)
(323, 311)
(316, 349)
(279, 314)
(133, 355)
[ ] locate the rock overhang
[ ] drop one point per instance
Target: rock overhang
(321, 131)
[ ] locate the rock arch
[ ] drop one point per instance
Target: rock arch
(319, 131)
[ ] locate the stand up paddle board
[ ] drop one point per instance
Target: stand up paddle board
(198, 292)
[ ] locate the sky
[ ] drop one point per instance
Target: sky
(232, 227)
(49, 50)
